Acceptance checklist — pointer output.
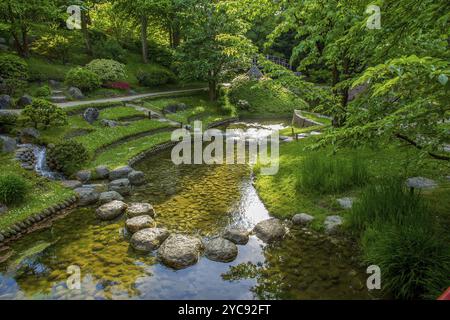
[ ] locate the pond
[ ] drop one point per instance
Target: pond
(192, 199)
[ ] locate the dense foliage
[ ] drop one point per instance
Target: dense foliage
(83, 79)
(67, 157)
(13, 189)
(107, 70)
(42, 112)
(13, 73)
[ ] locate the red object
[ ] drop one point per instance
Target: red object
(118, 85)
(445, 295)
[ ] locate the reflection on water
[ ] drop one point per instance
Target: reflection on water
(193, 199)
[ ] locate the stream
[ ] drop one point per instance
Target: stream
(191, 199)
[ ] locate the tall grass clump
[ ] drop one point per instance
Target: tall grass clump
(400, 234)
(13, 189)
(320, 173)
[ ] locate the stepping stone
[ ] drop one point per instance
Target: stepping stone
(237, 236)
(71, 184)
(111, 210)
(120, 173)
(135, 224)
(221, 250)
(109, 196)
(121, 186)
(86, 196)
(180, 251)
(147, 240)
(140, 209)
(332, 224)
(421, 183)
(345, 203)
(301, 219)
(270, 230)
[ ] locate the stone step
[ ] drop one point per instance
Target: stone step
(56, 92)
(58, 98)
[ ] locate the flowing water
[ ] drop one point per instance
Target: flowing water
(192, 199)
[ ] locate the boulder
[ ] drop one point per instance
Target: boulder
(7, 144)
(71, 184)
(54, 83)
(237, 236)
(75, 93)
(87, 196)
(6, 102)
(221, 250)
(83, 175)
(270, 230)
(109, 123)
(302, 219)
(138, 223)
(24, 101)
(111, 210)
(29, 133)
(137, 178)
(98, 187)
(421, 183)
(120, 173)
(345, 203)
(180, 251)
(102, 172)
(332, 224)
(140, 209)
(121, 186)
(147, 240)
(109, 196)
(91, 115)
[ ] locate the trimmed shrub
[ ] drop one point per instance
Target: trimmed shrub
(14, 72)
(155, 76)
(83, 79)
(109, 49)
(13, 189)
(43, 92)
(320, 173)
(43, 112)
(54, 47)
(107, 69)
(67, 157)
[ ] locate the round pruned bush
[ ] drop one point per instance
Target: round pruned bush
(8, 121)
(67, 157)
(82, 78)
(155, 76)
(43, 112)
(13, 189)
(13, 73)
(108, 70)
(43, 92)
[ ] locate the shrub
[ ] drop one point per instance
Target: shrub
(320, 173)
(107, 70)
(13, 189)
(160, 54)
(118, 85)
(43, 92)
(13, 72)
(109, 49)
(83, 79)
(54, 47)
(67, 157)
(44, 112)
(155, 76)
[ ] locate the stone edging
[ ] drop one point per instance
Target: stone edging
(27, 226)
(169, 144)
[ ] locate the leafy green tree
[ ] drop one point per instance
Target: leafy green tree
(20, 15)
(43, 112)
(215, 46)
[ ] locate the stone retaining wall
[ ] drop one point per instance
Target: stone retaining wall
(32, 223)
(303, 122)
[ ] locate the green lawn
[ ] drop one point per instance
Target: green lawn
(118, 113)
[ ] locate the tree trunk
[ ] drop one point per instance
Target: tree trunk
(176, 36)
(85, 31)
(144, 40)
(212, 90)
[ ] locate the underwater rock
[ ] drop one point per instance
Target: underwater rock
(237, 236)
(111, 210)
(138, 223)
(140, 209)
(120, 173)
(71, 184)
(270, 230)
(332, 224)
(302, 219)
(180, 251)
(137, 178)
(121, 186)
(102, 172)
(221, 250)
(147, 240)
(109, 196)
(345, 203)
(86, 196)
